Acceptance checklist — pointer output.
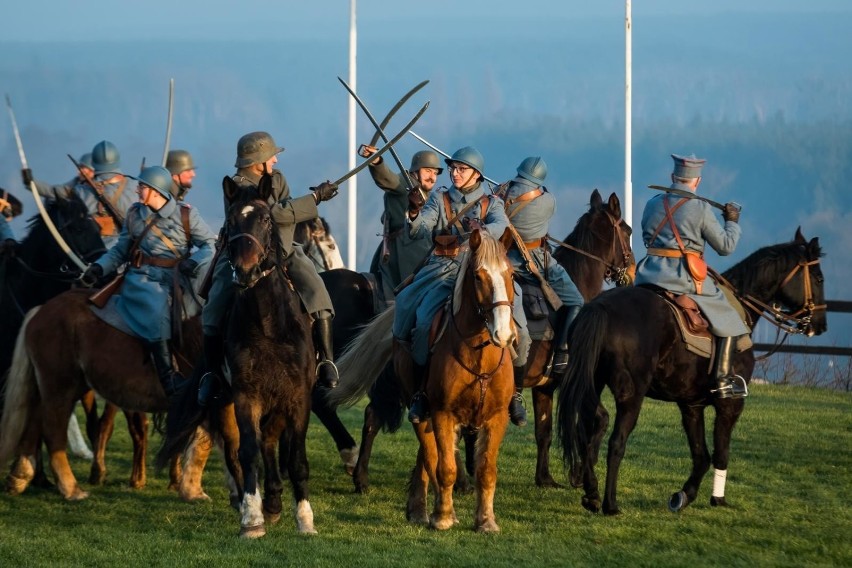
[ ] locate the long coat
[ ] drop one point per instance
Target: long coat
(698, 227)
(144, 300)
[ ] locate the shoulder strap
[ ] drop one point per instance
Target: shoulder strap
(669, 219)
(184, 220)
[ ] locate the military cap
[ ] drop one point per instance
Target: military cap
(687, 166)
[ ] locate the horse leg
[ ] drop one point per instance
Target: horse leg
(421, 475)
(692, 418)
(543, 413)
(297, 466)
(346, 446)
(626, 415)
(271, 437)
(360, 474)
(463, 484)
(90, 409)
(105, 427)
(55, 430)
(29, 448)
(137, 426)
(583, 474)
(230, 449)
(727, 414)
(487, 450)
(443, 515)
(251, 510)
(194, 459)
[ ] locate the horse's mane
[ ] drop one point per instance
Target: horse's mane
(70, 203)
(582, 238)
(490, 251)
(761, 269)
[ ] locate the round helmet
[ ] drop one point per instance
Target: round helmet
(157, 178)
(426, 159)
(255, 148)
(86, 160)
(469, 156)
(105, 157)
(178, 161)
(533, 169)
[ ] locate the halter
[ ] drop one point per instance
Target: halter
(614, 274)
(264, 252)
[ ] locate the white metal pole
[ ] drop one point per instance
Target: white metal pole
(351, 255)
(628, 116)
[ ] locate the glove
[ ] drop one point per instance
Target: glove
(469, 225)
(731, 213)
(415, 200)
(27, 176)
(188, 267)
(324, 191)
(92, 275)
(7, 248)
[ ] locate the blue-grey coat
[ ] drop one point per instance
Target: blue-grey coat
(5, 229)
(698, 227)
(144, 300)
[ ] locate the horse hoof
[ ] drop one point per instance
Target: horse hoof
(77, 495)
(417, 517)
(591, 504)
(489, 526)
(97, 478)
(271, 518)
(678, 502)
(442, 524)
(195, 497)
(235, 502)
(718, 502)
(548, 483)
(349, 457)
(256, 531)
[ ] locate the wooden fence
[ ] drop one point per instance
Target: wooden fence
(837, 306)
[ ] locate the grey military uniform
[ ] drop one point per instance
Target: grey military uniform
(286, 212)
(698, 227)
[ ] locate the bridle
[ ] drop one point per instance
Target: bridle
(264, 251)
(617, 275)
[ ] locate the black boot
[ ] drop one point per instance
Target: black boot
(517, 412)
(214, 360)
(728, 385)
(326, 369)
(560, 352)
(171, 380)
(418, 410)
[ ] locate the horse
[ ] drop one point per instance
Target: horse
(627, 339)
(63, 352)
(319, 244)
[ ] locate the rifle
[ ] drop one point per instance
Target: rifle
(98, 192)
(546, 289)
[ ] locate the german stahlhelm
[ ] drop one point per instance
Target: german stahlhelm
(157, 178)
(255, 148)
(179, 161)
(469, 156)
(533, 169)
(425, 159)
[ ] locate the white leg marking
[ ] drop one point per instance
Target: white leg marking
(304, 517)
(719, 478)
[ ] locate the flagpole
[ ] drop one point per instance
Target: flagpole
(628, 115)
(352, 239)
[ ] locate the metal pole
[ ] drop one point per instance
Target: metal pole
(351, 255)
(628, 116)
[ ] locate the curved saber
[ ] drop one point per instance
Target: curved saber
(169, 122)
(378, 128)
(384, 148)
(395, 108)
(689, 195)
(447, 156)
(42, 211)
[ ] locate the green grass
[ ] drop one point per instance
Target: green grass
(788, 483)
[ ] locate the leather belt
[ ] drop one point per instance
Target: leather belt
(671, 253)
(534, 244)
(158, 262)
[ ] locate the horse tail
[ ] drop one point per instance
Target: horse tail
(20, 394)
(386, 401)
(578, 398)
(363, 360)
(182, 420)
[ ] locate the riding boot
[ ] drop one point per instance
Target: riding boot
(326, 369)
(517, 412)
(171, 380)
(560, 352)
(418, 411)
(214, 360)
(728, 385)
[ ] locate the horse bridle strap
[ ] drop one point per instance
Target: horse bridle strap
(614, 273)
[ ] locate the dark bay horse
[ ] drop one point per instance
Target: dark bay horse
(627, 339)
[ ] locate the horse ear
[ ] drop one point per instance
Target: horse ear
(506, 239)
(264, 187)
(229, 188)
(813, 248)
(614, 205)
(475, 240)
(595, 200)
(799, 238)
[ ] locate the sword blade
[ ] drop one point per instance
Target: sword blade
(384, 148)
(395, 108)
(447, 156)
(17, 133)
(169, 121)
(688, 195)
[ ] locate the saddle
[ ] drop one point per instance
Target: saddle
(541, 318)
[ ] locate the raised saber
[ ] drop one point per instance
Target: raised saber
(384, 148)
(405, 176)
(447, 156)
(689, 195)
(168, 122)
(396, 107)
(42, 211)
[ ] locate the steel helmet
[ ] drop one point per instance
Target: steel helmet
(469, 156)
(86, 160)
(178, 161)
(255, 148)
(425, 159)
(157, 178)
(533, 169)
(105, 157)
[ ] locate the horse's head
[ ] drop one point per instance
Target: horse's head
(489, 279)
(252, 237)
(71, 217)
(802, 290)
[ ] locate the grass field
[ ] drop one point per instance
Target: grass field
(789, 485)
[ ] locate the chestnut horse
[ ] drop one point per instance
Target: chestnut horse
(469, 382)
(627, 339)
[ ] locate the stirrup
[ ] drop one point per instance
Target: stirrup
(517, 410)
(731, 386)
(419, 410)
(207, 386)
(328, 383)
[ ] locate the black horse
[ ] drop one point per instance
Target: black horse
(627, 339)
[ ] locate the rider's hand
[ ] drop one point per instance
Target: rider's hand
(415, 201)
(27, 177)
(188, 267)
(365, 151)
(92, 275)
(731, 212)
(324, 191)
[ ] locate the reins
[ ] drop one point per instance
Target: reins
(264, 251)
(614, 274)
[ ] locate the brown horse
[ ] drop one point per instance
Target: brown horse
(469, 382)
(63, 351)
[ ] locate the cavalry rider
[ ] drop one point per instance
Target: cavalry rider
(398, 255)
(418, 303)
(156, 240)
(674, 228)
(51, 191)
(529, 207)
(180, 165)
(257, 153)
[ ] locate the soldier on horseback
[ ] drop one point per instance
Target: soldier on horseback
(85, 170)
(675, 231)
(156, 240)
(257, 153)
(399, 254)
(417, 304)
(180, 165)
(529, 207)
